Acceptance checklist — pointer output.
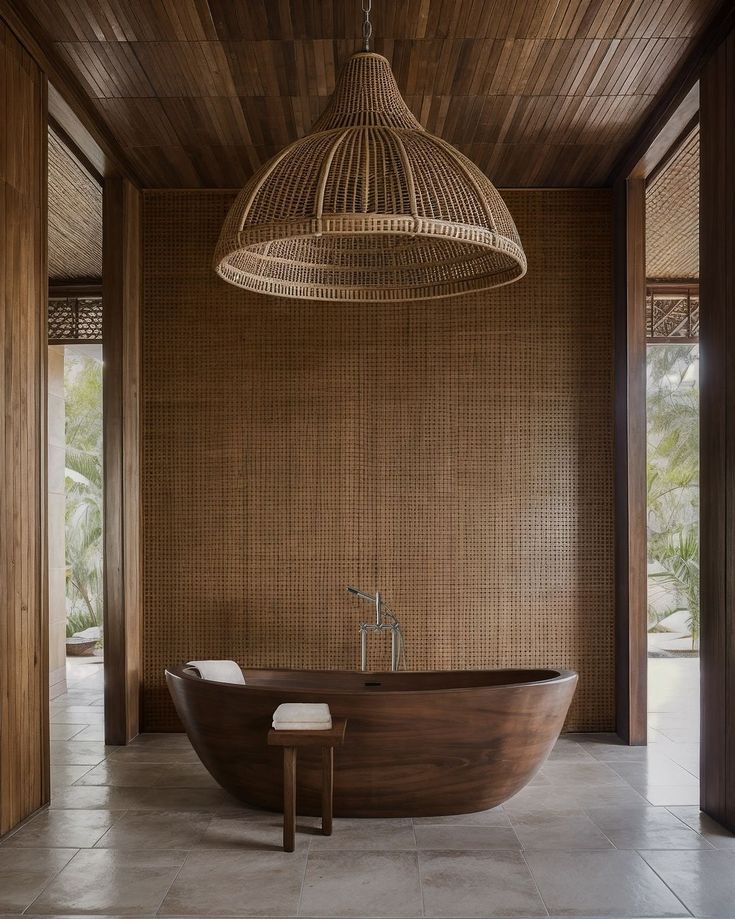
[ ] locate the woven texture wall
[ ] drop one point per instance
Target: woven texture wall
(455, 453)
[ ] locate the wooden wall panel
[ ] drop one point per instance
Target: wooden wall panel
(121, 294)
(717, 433)
(455, 453)
(23, 554)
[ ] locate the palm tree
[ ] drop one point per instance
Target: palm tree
(84, 497)
(680, 562)
(673, 477)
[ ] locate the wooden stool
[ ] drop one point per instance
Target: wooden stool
(291, 741)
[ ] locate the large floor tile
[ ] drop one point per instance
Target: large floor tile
(81, 716)
(599, 883)
(77, 829)
(554, 831)
(371, 884)
(94, 797)
(655, 771)
(572, 752)
(25, 872)
(91, 732)
(124, 775)
(543, 801)
(77, 752)
(570, 800)
(66, 731)
(98, 881)
(713, 832)
(184, 775)
(255, 831)
(671, 795)
(153, 753)
(228, 883)
(704, 880)
(149, 830)
(67, 774)
(367, 834)
(478, 884)
(461, 836)
(646, 828)
(578, 775)
(496, 816)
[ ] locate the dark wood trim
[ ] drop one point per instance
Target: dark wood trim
(672, 286)
(674, 148)
(676, 105)
(121, 394)
(630, 461)
(69, 106)
(75, 149)
(81, 288)
(717, 434)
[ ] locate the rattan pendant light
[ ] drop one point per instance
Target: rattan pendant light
(369, 207)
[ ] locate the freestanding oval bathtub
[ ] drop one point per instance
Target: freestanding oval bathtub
(417, 744)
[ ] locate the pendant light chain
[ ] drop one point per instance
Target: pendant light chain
(367, 26)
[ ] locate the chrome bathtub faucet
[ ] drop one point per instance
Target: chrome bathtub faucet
(385, 621)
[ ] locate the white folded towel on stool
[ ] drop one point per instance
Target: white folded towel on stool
(218, 671)
(302, 716)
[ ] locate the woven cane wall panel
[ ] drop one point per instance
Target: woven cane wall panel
(454, 453)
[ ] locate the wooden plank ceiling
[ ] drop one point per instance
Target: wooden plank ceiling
(672, 216)
(74, 217)
(537, 92)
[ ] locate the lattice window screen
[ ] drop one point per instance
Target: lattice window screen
(74, 320)
(672, 315)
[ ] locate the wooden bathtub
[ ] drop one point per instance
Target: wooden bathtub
(417, 744)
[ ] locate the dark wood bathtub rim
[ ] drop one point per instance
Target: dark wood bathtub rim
(560, 677)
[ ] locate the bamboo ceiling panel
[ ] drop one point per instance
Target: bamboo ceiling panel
(456, 454)
(537, 93)
(672, 216)
(74, 217)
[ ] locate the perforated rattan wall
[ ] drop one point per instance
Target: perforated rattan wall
(455, 453)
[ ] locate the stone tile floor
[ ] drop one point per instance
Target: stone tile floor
(603, 830)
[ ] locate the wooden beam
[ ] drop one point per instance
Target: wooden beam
(70, 108)
(121, 349)
(676, 106)
(80, 288)
(717, 433)
(630, 461)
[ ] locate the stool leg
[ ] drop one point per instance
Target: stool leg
(327, 789)
(289, 798)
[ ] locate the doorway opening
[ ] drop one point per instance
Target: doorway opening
(75, 465)
(672, 467)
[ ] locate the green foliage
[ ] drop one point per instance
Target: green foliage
(673, 480)
(83, 484)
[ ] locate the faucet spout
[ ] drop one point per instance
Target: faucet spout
(385, 621)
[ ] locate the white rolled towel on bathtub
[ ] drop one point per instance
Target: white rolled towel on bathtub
(302, 716)
(218, 671)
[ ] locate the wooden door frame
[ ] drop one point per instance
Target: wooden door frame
(73, 117)
(121, 351)
(631, 670)
(717, 440)
(661, 133)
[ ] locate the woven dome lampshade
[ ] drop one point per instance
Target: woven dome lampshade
(369, 207)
